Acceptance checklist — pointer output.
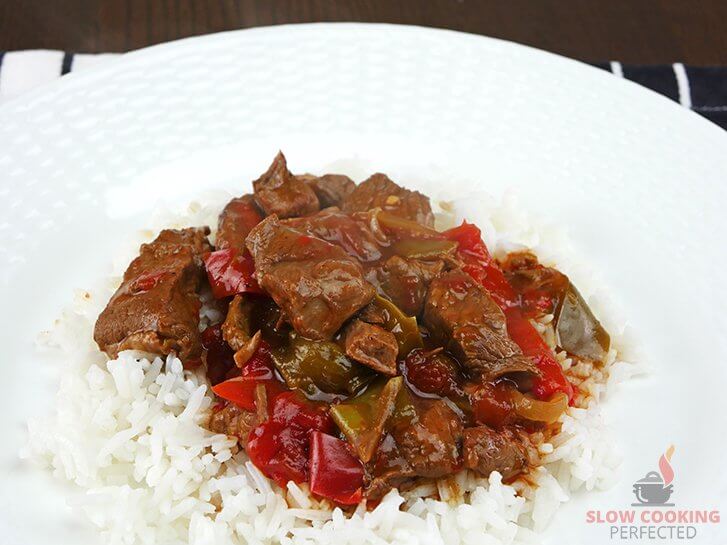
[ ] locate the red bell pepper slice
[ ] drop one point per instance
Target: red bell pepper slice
(280, 446)
(291, 408)
(551, 379)
(230, 273)
(258, 369)
(238, 390)
(478, 263)
(279, 451)
(335, 473)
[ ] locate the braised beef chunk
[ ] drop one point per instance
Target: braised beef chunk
(236, 328)
(156, 308)
(168, 241)
(237, 218)
(541, 289)
(486, 450)
(464, 316)
(373, 314)
(232, 420)
(379, 191)
(330, 189)
(340, 229)
(389, 469)
(372, 346)
(405, 281)
(317, 284)
(430, 443)
(279, 192)
(545, 290)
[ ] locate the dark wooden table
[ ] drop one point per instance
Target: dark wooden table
(633, 31)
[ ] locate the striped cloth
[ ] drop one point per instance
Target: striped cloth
(702, 89)
(21, 71)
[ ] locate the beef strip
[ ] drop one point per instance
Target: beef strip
(232, 420)
(464, 316)
(330, 189)
(430, 443)
(156, 308)
(405, 281)
(317, 284)
(486, 450)
(237, 218)
(379, 191)
(279, 192)
(340, 229)
(372, 346)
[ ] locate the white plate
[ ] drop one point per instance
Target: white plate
(638, 181)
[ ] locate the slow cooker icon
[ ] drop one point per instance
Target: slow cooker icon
(651, 490)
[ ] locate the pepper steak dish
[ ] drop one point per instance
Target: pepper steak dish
(361, 349)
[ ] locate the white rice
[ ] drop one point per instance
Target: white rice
(131, 433)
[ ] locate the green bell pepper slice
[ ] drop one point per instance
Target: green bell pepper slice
(362, 419)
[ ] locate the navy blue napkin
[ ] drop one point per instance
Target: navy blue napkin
(700, 88)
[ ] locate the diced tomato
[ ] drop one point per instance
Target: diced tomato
(492, 404)
(230, 273)
(219, 354)
(335, 473)
(478, 263)
(432, 373)
(258, 369)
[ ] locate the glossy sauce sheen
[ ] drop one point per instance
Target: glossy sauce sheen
(355, 395)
